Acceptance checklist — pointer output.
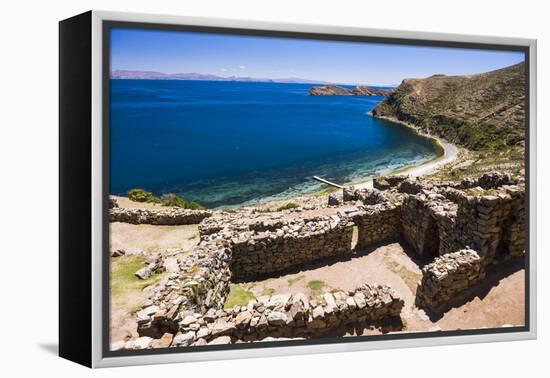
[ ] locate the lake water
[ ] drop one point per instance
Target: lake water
(233, 143)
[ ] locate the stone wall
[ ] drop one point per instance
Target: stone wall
(484, 224)
(446, 277)
(280, 316)
(387, 182)
(201, 283)
(444, 220)
(168, 216)
(493, 224)
(365, 196)
(275, 247)
(419, 226)
(377, 223)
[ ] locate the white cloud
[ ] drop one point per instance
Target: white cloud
(242, 67)
(223, 69)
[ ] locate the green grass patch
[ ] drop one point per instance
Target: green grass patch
(316, 285)
(292, 281)
(266, 210)
(267, 291)
(481, 192)
(327, 191)
(123, 281)
(238, 296)
(288, 206)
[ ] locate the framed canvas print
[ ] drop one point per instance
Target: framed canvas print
(232, 189)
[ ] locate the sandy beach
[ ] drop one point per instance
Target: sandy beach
(450, 153)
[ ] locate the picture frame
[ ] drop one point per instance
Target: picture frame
(85, 262)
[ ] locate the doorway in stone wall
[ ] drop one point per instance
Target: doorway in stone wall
(430, 248)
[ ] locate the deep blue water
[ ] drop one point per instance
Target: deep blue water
(229, 143)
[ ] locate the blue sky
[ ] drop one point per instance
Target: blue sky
(266, 57)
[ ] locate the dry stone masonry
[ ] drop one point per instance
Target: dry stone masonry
(277, 316)
(292, 244)
(169, 216)
(448, 276)
(461, 227)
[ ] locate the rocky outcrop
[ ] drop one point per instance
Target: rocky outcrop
(335, 90)
(169, 216)
(329, 90)
(484, 111)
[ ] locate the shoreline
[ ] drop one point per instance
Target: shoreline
(449, 154)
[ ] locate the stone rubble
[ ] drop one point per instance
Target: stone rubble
(155, 264)
(280, 316)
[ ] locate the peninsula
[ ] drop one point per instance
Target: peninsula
(360, 90)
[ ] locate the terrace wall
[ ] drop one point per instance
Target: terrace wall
(169, 216)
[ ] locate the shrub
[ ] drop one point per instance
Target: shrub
(193, 206)
(171, 199)
(140, 195)
(288, 206)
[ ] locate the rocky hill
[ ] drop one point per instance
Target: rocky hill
(335, 90)
(480, 112)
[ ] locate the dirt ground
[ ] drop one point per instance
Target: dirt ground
(171, 241)
(499, 303)
(127, 203)
(137, 238)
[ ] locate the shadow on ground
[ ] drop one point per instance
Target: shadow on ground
(51, 348)
(495, 273)
(328, 261)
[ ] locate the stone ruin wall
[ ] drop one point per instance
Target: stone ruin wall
(493, 224)
(277, 316)
(234, 248)
(484, 229)
(377, 224)
(201, 283)
(447, 277)
(257, 253)
(465, 226)
(170, 216)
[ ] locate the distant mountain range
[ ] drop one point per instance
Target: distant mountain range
(152, 75)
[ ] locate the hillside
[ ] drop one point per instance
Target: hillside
(484, 112)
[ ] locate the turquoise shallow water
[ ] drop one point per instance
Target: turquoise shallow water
(233, 143)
